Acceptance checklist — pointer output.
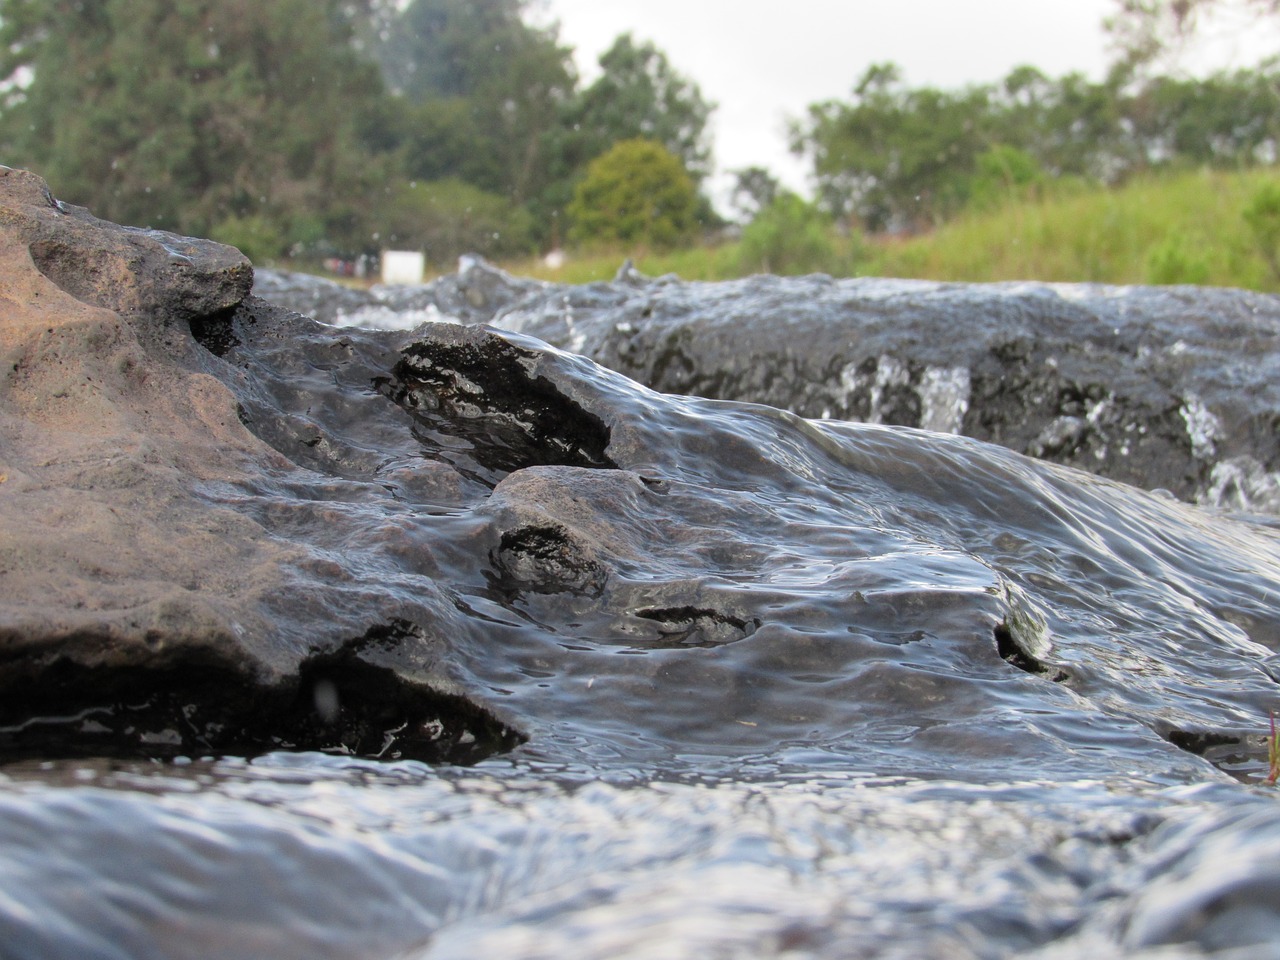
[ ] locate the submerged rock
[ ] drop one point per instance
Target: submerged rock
(1165, 388)
(733, 681)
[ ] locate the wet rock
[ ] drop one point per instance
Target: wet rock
(1164, 388)
(243, 530)
(128, 270)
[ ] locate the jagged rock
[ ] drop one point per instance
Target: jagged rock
(125, 269)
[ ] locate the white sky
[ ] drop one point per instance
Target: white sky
(763, 61)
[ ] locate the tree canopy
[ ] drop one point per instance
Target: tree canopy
(637, 192)
(325, 125)
(901, 158)
(183, 113)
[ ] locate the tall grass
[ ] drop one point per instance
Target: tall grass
(1181, 228)
(1170, 228)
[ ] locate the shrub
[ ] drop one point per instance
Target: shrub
(1003, 173)
(789, 236)
(257, 237)
(637, 192)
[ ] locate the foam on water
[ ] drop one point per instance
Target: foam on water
(307, 857)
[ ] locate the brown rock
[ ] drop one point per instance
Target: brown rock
(107, 429)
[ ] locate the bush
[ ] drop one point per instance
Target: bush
(256, 237)
(1003, 173)
(789, 236)
(636, 193)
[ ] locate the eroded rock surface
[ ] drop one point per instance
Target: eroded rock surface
(464, 645)
(1164, 388)
(230, 528)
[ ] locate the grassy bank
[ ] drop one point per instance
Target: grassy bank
(1173, 228)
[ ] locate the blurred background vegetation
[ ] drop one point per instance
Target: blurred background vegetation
(312, 130)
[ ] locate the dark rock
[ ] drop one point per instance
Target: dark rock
(242, 530)
(1164, 388)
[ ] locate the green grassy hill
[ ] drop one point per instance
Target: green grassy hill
(1169, 228)
(1180, 228)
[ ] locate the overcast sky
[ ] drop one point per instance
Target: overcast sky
(763, 61)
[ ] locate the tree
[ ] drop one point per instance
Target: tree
(1146, 32)
(754, 189)
(636, 193)
(895, 158)
(639, 95)
(480, 88)
(186, 114)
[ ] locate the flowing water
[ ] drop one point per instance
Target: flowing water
(728, 683)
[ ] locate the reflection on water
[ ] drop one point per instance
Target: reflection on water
(308, 856)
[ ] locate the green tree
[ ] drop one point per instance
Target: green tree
(639, 95)
(1226, 119)
(895, 157)
(188, 114)
(754, 189)
(480, 90)
(638, 192)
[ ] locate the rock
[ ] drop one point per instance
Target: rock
(733, 682)
(241, 530)
(1164, 388)
(128, 270)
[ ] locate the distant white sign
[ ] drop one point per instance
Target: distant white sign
(403, 266)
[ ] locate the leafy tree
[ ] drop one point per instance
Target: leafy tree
(754, 189)
(1222, 120)
(890, 157)
(900, 158)
(483, 89)
(639, 95)
(188, 114)
(636, 193)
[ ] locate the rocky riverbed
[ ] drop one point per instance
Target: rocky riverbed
(1162, 387)
(335, 641)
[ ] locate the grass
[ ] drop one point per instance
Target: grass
(1169, 228)
(1185, 227)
